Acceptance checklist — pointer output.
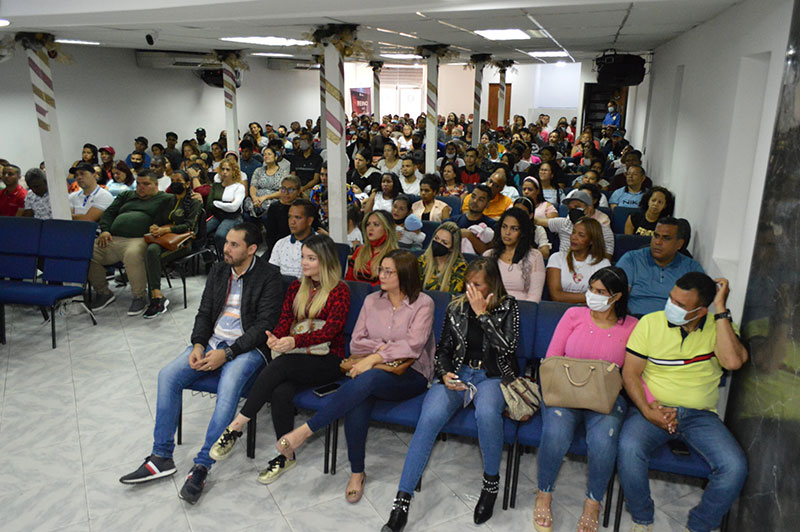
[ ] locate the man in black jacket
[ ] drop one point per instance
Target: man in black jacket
(242, 299)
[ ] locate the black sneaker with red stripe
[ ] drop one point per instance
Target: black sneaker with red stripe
(153, 467)
(195, 482)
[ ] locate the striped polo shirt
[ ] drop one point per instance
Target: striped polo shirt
(682, 369)
(229, 324)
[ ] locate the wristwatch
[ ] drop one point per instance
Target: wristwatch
(228, 354)
(723, 315)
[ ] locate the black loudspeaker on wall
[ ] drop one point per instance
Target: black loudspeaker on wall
(213, 77)
(620, 70)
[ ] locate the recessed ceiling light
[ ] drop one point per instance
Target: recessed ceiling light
(4, 23)
(554, 53)
(271, 54)
(267, 41)
(75, 41)
(503, 35)
(401, 56)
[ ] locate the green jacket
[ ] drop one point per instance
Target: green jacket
(131, 217)
(182, 214)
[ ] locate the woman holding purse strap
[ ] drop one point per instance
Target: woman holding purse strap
(394, 324)
(476, 351)
(319, 294)
(599, 332)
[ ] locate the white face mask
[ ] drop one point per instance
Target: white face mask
(675, 314)
(596, 302)
(610, 109)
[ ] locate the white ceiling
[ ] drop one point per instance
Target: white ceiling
(584, 27)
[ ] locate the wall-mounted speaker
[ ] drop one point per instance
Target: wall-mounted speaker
(620, 70)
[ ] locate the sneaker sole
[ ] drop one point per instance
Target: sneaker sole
(104, 305)
(190, 500)
(218, 458)
(145, 316)
(162, 474)
(276, 477)
(136, 312)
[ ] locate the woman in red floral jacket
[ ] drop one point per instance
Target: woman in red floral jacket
(320, 294)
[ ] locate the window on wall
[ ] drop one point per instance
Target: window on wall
(402, 90)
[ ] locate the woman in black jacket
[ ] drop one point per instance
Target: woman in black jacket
(476, 351)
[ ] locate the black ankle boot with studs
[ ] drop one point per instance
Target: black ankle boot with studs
(485, 506)
(399, 515)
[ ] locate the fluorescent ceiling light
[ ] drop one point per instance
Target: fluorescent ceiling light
(271, 54)
(558, 53)
(74, 41)
(384, 30)
(503, 35)
(4, 23)
(401, 56)
(267, 41)
(536, 34)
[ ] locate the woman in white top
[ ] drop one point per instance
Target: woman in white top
(550, 190)
(568, 272)
(381, 200)
(391, 161)
(405, 143)
(428, 208)
(217, 156)
(224, 202)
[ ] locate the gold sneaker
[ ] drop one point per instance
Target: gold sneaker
(275, 468)
(224, 445)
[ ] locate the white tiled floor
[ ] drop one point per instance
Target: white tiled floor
(76, 418)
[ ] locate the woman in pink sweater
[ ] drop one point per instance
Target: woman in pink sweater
(598, 331)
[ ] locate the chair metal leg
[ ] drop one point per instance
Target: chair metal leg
(609, 497)
(512, 450)
(180, 426)
(166, 276)
(334, 446)
(327, 457)
(251, 438)
(515, 478)
(52, 324)
(182, 271)
(618, 512)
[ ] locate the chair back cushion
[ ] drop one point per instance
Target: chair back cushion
(67, 247)
(19, 246)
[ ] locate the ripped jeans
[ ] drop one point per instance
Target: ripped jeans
(602, 435)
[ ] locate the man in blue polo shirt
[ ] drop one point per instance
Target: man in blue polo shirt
(631, 194)
(652, 271)
(612, 118)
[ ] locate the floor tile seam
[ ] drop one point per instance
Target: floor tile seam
(78, 430)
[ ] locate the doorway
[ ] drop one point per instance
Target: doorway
(493, 99)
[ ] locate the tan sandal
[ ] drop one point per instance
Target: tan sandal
(353, 496)
(588, 524)
(542, 514)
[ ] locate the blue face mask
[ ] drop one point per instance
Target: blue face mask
(675, 314)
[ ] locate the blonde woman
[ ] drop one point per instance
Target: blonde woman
(380, 237)
(224, 202)
(318, 294)
(568, 272)
(442, 267)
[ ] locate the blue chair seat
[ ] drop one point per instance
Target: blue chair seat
(664, 460)
(43, 295)
(403, 413)
(308, 400)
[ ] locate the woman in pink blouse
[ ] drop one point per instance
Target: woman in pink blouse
(395, 323)
(520, 264)
(598, 331)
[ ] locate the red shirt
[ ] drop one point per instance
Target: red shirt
(12, 201)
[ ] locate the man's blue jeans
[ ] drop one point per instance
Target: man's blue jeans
(439, 406)
(218, 228)
(177, 375)
(602, 437)
(355, 400)
(705, 433)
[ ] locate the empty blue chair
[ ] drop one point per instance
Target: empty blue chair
(618, 218)
(344, 251)
(429, 228)
(441, 300)
(19, 247)
(454, 202)
(626, 243)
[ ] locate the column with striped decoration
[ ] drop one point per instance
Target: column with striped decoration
(322, 105)
(333, 125)
(45, 104)
(376, 89)
(432, 113)
(231, 118)
(501, 99)
(478, 61)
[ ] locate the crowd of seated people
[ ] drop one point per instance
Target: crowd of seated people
(527, 216)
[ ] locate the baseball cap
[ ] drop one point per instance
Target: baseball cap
(171, 134)
(143, 140)
(581, 196)
(109, 149)
(199, 130)
(413, 222)
(617, 133)
(81, 167)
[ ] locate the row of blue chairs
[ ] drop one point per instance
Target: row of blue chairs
(62, 249)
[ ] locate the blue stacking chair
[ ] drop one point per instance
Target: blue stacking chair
(626, 243)
(66, 247)
(563, 210)
(618, 218)
(429, 228)
(343, 251)
(19, 246)
(307, 400)
(454, 202)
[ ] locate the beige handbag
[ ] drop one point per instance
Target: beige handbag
(580, 383)
(522, 398)
(302, 327)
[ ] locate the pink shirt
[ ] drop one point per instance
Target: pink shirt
(514, 281)
(577, 336)
(394, 334)
(544, 208)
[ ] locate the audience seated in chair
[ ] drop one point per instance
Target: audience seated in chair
(498, 202)
(630, 196)
(442, 266)
(308, 358)
(428, 208)
(37, 200)
(539, 237)
(240, 302)
(652, 271)
(287, 253)
(656, 203)
(12, 197)
(276, 222)
(581, 204)
(568, 273)
(224, 202)
(380, 237)
(675, 359)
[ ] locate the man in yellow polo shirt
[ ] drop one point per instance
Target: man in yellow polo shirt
(673, 365)
(499, 202)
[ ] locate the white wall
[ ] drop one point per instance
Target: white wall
(712, 112)
(104, 98)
